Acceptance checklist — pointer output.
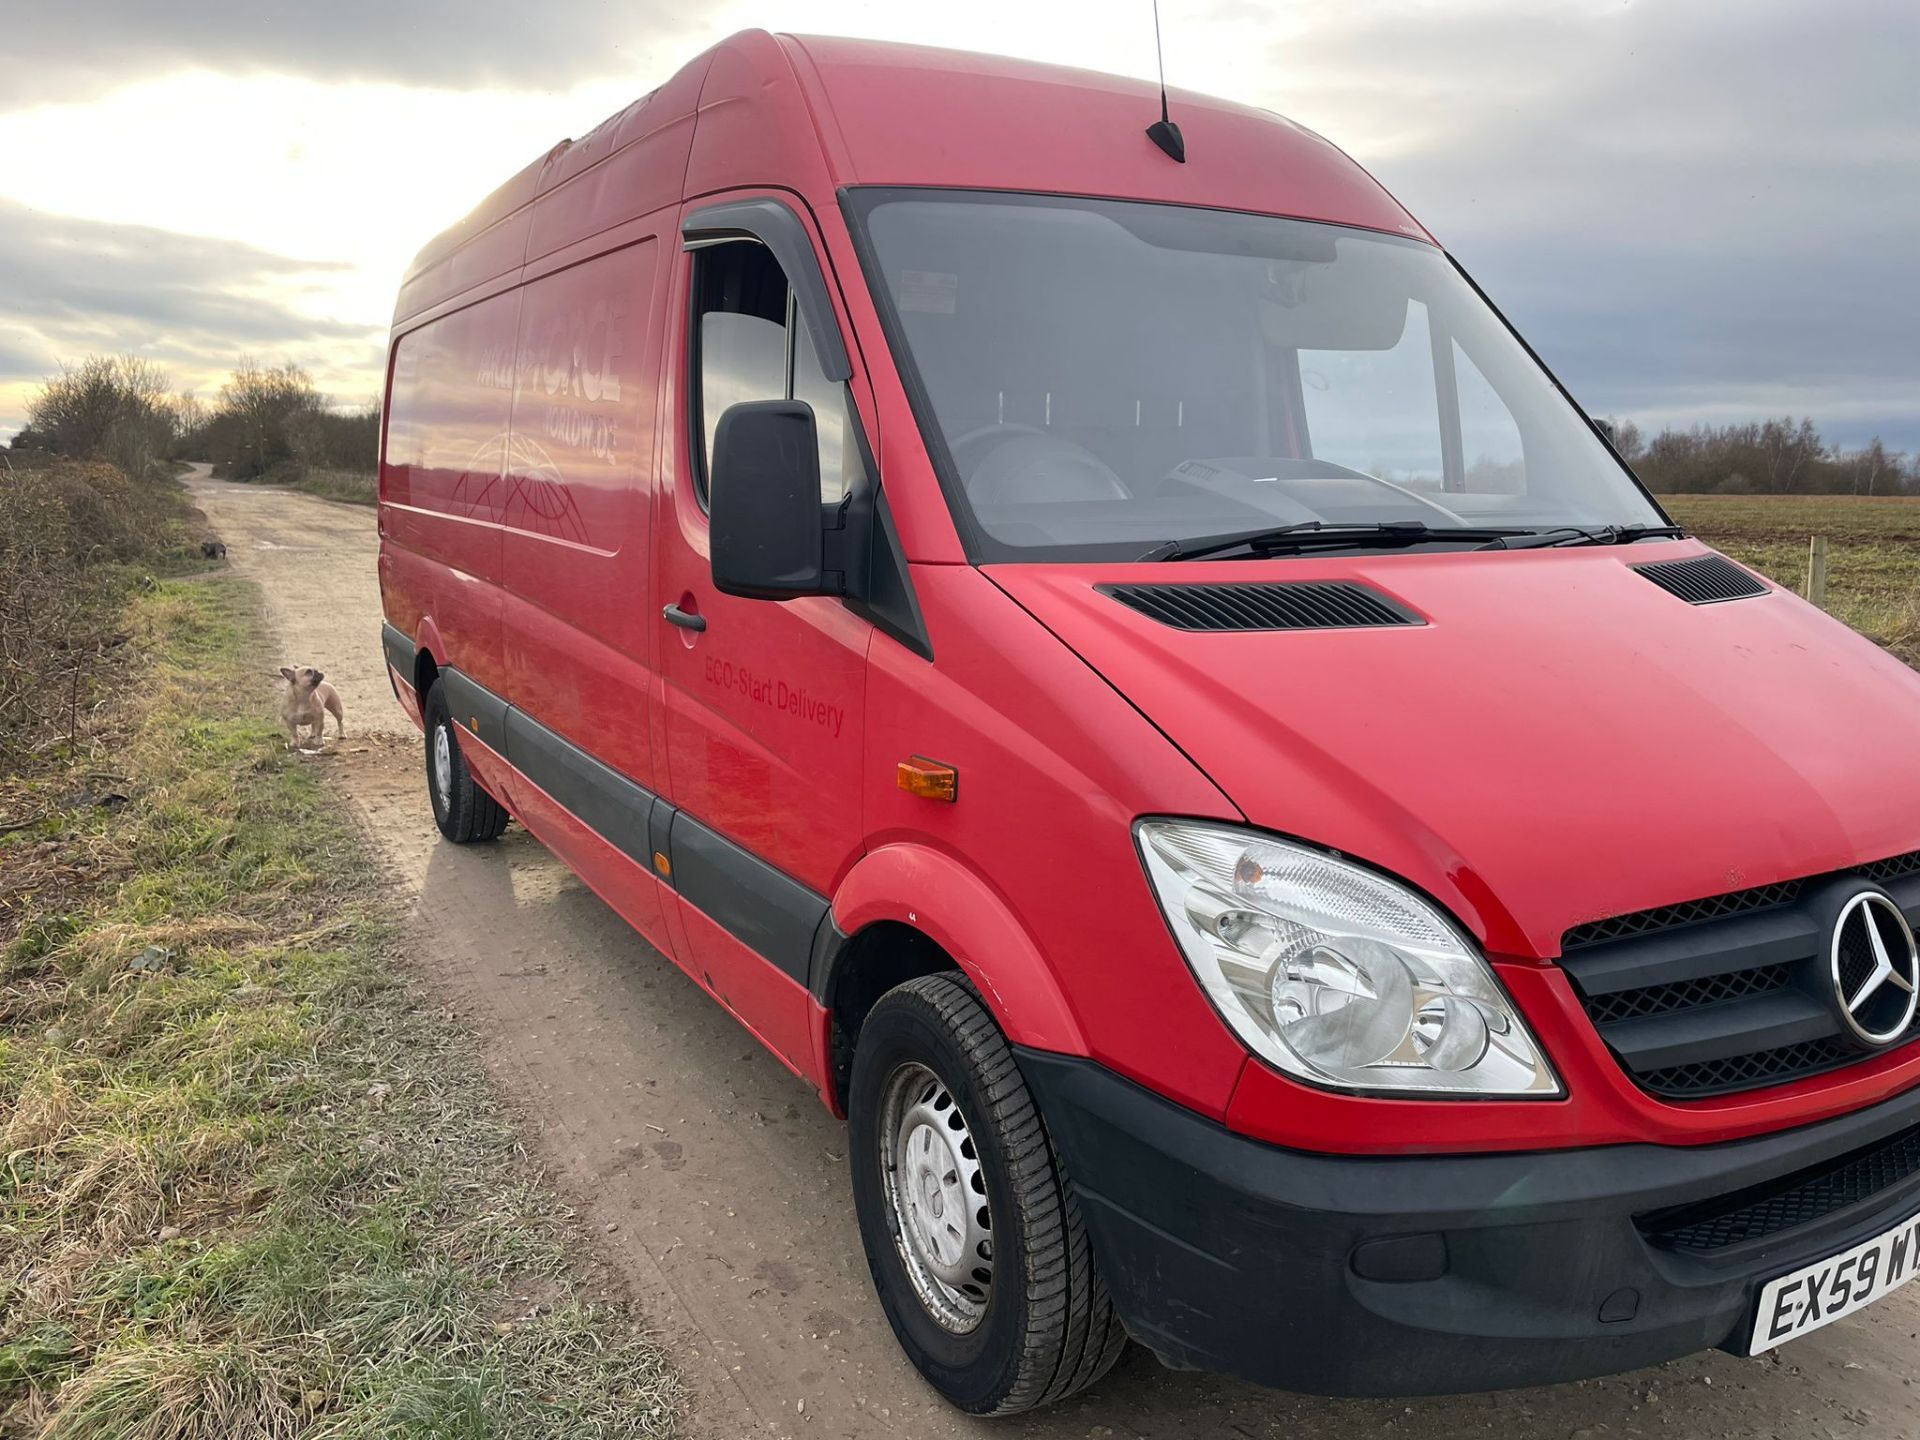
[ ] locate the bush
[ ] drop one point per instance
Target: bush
(113, 408)
(272, 424)
(332, 440)
(67, 532)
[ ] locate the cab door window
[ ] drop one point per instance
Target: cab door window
(751, 345)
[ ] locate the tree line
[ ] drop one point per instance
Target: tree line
(1764, 457)
(266, 421)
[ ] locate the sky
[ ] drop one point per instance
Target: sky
(1695, 210)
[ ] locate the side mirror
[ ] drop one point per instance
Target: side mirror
(1605, 427)
(763, 494)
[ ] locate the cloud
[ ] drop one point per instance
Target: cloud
(64, 271)
(65, 52)
(1678, 204)
(69, 287)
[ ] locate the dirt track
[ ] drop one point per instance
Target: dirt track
(716, 1187)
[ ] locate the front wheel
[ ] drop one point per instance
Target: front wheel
(972, 1234)
(463, 811)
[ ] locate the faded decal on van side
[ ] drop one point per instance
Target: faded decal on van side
(527, 410)
(580, 422)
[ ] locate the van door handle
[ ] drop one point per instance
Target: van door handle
(676, 616)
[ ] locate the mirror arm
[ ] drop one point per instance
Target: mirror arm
(847, 533)
(848, 529)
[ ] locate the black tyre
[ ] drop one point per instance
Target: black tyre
(972, 1233)
(463, 811)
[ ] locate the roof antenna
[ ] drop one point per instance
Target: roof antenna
(1163, 132)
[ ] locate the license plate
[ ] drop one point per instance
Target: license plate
(1800, 1303)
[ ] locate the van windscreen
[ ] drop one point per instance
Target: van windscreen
(1100, 377)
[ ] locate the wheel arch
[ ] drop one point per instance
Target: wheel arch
(429, 654)
(874, 939)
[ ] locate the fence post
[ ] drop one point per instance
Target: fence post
(1817, 570)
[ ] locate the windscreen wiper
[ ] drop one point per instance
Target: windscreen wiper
(1601, 535)
(1324, 535)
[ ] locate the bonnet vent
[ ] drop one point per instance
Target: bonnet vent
(1285, 605)
(1704, 581)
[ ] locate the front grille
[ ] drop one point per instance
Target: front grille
(1884, 872)
(1279, 605)
(1790, 1202)
(1750, 1071)
(1727, 993)
(1670, 917)
(1688, 994)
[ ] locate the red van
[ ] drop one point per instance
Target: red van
(1128, 676)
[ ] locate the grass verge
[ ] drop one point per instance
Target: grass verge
(77, 538)
(247, 1186)
(351, 487)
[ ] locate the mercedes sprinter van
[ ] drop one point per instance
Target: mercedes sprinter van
(1117, 665)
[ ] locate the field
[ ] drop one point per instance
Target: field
(1873, 552)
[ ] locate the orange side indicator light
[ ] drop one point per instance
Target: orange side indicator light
(662, 864)
(928, 779)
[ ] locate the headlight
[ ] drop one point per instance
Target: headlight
(1333, 973)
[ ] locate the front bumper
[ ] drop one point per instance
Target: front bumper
(1426, 1275)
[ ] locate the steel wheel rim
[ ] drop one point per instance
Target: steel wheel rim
(936, 1198)
(442, 766)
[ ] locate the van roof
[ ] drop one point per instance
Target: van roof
(814, 114)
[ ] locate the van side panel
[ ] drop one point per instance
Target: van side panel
(577, 502)
(442, 489)
(577, 547)
(773, 1005)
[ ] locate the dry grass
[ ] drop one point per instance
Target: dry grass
(1873, 552)
(248, 1188)
(75, 538)
(351, 487)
